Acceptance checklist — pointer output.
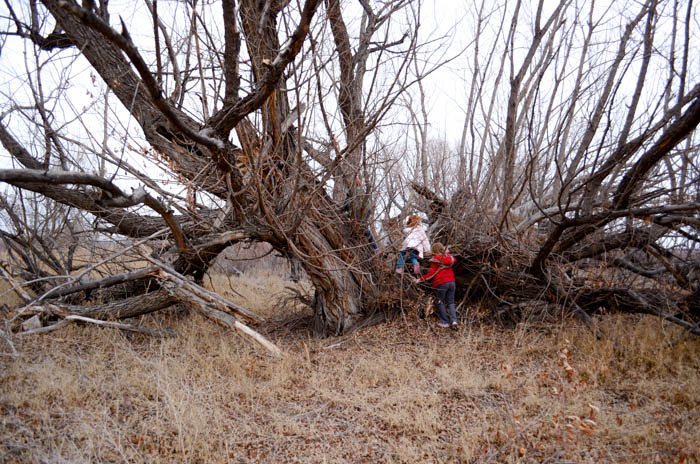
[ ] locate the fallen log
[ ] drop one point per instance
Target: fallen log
(115, 325)
(222, 318)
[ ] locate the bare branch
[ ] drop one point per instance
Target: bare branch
(124, 42)
(676, 133)
(29, 178)
(231, 114)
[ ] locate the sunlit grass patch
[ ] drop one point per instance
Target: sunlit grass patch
(262, 292)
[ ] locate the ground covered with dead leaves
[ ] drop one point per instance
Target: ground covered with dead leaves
(402, 391)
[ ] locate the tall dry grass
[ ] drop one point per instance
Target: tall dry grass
(398, 392)
(8, 295)
(263, 292)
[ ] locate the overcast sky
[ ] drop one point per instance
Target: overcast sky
(449, 26)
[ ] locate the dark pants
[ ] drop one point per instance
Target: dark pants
(446, 297)
(370, 239)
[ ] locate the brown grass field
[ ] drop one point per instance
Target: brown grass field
(404, 391)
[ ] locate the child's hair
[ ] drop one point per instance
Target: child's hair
(437, 248)
(413, 221)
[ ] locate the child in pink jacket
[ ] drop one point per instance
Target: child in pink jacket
(415, 244)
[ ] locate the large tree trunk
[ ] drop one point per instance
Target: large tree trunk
(337, 301)
(329, 231)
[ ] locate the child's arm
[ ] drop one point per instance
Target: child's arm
(434, 268)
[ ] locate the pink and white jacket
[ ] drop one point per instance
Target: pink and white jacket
(416, 239)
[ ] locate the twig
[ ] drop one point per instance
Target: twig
(15, 286)
(6, 337)
(335, 344)
(403, 313)
(119, 325)
(47, 329)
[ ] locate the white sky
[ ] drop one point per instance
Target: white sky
(446, 88)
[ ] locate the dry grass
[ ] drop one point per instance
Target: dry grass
(264, 293)
(397, 392)
(8, 296)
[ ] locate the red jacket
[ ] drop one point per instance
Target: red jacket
(440, 269)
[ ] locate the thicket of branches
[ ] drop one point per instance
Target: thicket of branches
(584, 195)
(144, 143)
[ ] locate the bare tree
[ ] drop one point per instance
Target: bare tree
(590, 166)
(255, 127)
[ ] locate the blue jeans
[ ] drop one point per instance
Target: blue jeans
(402, 257)
(446, 296)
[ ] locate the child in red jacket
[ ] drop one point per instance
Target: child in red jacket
(443, 281)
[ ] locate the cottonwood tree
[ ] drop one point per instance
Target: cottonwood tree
(268, 122)
(234, 121)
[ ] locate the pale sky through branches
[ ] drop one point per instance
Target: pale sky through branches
(449, 35)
